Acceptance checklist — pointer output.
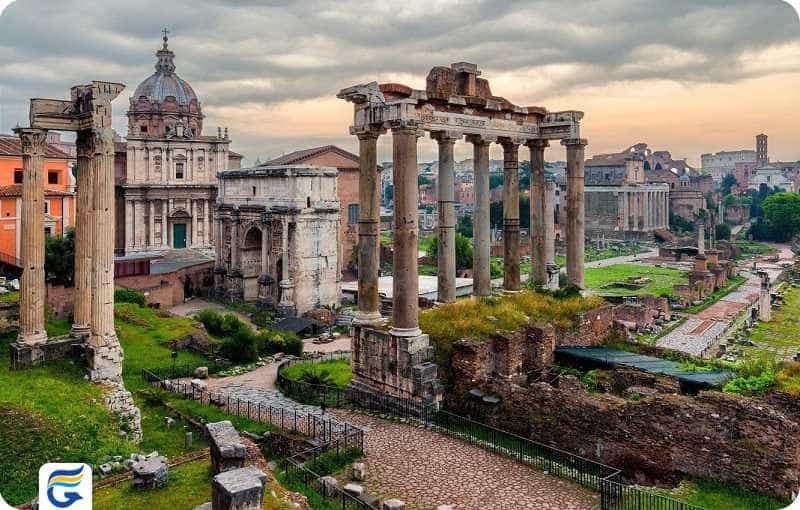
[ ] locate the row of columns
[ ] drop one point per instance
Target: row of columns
(405, 279)
(94, 247)
(644, 210)
(148, 207)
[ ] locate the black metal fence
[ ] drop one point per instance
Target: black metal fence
(607, 480)
(591, 474)
(298, 471)
(319, 428)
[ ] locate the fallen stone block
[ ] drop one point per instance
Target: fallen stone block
(354, 489)
(150, 473)
(238, 489)
(201, 373)
(359, 471)
(227, 449)
(329, 485)
(394, 504)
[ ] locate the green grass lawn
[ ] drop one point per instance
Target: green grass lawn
(717, 496)
(338, 370)
(11, 296)
(49, 414)
(783, 331)
(753, 249)
(661, 279)
(189, 486)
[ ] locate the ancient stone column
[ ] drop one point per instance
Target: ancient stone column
(236, 265)
(511, 278)
(369, 226)
(151, 224)
(405, 287)
(538, 215)
(575, 210)
(206, 223)
(481, 276)
(194, 238)
(82, 314)
(33, 294)
(286, 306)
(219, 262)
(551, 268)
(701, 238)
(104, 354)
(129, 223)
(165, 224)
(446, 289)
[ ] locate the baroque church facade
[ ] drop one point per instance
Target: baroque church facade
(167, 169)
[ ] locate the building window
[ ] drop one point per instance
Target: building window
(18, 176)
(254, 191)
(48, 232)
(46, 207)
(52, 177)
(352, 214)
(179, 170)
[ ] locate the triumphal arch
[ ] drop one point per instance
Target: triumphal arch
(456, 104)
(88, 113)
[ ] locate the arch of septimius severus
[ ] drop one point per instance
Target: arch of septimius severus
(456, 104)
(87, 112)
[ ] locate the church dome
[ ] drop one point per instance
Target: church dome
(164, 82)
(165, 105)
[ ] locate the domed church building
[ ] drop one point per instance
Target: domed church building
(167, 169)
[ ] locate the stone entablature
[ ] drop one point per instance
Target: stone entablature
(276, 232)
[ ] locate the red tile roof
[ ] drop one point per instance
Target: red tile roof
(11, 146)
(15, 190)
(296, 157)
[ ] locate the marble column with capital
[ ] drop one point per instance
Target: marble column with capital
(549, 205)
(575, 210)
(286, 306)
(446, 249)
(537, 211)
(104, 354)
(32, 282)
(369, 225)
(481, 224)
(405, 306)
(511, 276)
(81, 326)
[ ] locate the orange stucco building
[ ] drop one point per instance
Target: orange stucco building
(59, 194)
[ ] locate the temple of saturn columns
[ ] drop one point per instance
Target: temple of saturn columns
(87, 112)
(455, 104)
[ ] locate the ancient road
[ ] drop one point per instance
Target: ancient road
(426, 469)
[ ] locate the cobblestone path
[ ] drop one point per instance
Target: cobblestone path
(426, 469)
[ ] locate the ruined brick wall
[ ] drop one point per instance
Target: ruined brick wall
(9, 317)
(592, 328)
(61, 301)
(659, 439)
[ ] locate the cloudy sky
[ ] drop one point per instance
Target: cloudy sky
(690, 76)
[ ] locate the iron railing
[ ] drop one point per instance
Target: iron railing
(297, 470)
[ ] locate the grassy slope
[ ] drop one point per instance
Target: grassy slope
(716, 496)
(784, 328)
(49, 413)
(662, 279)
(339, 370)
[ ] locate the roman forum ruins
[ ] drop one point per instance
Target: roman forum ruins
(455, 104)
(88, 112)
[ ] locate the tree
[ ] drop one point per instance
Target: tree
(422, 180)
(782, 214)
(495, 181)
(464, 226)
(728, 200)
(496, 213)
(463, 251)
(59, 258)
(388, 192)
(723, 232)
(727, 183)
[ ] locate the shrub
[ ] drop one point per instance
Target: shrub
(240, 347)
(211, 320)
(751, 385)
(788, 378)
(231, 325)
(314, 374)
(292, 344)
(123, 295)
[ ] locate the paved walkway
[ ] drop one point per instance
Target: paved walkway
(426, 469)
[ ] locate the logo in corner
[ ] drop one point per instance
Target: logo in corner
(65, 485)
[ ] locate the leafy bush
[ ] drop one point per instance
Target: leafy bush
(241, 347)
(314, 374)
(788, 378)
(292, 344)
(271, 342)
(231, 325)
(123, 295)
(211, 320)
(752, 385)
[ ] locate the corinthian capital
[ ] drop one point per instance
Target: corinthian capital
(33, 141)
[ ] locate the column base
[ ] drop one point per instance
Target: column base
(32, 339)
(553, 272)
(80, 331)
(104, 361)
(25, 355)
(405, 332)
(367, 318)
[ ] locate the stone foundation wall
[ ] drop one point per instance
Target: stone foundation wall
(9, 317)
(657, 439)
(168, 289)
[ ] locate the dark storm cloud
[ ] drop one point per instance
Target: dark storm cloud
(236, 52)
